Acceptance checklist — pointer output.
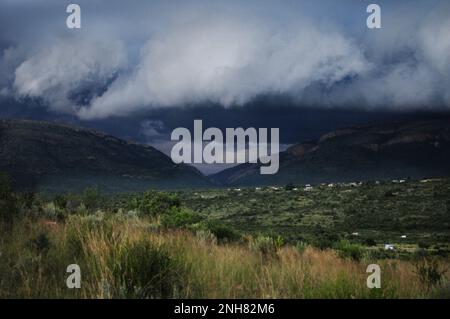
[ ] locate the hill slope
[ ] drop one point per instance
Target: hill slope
(395, 150)
(46, 156)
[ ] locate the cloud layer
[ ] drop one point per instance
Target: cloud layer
(59, 73)
(228, 62)
(230, 53)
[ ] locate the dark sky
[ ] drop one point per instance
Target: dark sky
(139, 69)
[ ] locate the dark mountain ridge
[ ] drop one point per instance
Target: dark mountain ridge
(55, 157)
(381, 151)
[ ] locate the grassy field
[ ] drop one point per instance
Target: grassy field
(123, 257)
(293, 242)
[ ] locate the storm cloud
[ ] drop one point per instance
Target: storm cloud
(139, 56)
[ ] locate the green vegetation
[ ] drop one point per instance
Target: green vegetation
(292, 242)
(377, 213)
(8, 203)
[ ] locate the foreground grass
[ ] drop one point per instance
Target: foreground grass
(129, 257)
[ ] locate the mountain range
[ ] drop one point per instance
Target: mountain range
(53, 157)
(412, 149)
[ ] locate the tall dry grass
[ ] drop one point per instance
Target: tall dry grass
(122, 257)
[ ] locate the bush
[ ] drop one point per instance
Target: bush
(266, 245)
(41, 243)
(348, 250)
(153, 203)
(60, 201)
(301, 246)
(324, 239)
(180, 218)
(28, 199)
(429, 271)
(206, 236)
(91, 198)
(380, 253)
(289, 187)
(442, 292)
(145, 271)
(370, 242)
(423, 245)
(223, 232)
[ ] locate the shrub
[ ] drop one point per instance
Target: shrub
(301, 246)
(348, 250)
(429, 271)
(375, 254)
(442, 292)
(61, 216)
(370, 242)
(290, 186)
(91, 198)
(41, 243)
(389, 194)
(153, 203)
(27, 199)
(266, 245)
(180, 218)
(60, 201)
(223, 232)
(145, 271)
(325, 240)
(206, 236)
(278, 241)
(423, 245)
(419, 254)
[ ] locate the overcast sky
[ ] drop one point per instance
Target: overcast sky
(149, 61)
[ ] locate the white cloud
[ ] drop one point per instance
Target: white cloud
(54, 72)
(229, 62)
(230, 52)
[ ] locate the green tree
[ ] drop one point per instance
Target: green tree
(154, 203)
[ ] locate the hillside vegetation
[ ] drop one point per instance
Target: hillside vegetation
(384, 151)
(49, 157)
(167, 245)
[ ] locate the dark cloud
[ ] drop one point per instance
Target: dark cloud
(139, 69)
(156, 54)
